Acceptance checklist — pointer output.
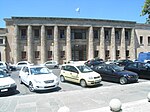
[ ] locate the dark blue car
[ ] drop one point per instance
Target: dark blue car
(115, 74)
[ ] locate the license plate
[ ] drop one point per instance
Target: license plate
(3, 90)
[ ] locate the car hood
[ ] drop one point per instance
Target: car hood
(43, 77)
(6, 81)
(126, 73)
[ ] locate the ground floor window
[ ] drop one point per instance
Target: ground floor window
(24, 55)
(62, 54)
(37, 54)
(96, 53)
(49, 54)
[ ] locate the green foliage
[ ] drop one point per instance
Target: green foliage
(146, 8)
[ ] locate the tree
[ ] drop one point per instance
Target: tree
(146, 10)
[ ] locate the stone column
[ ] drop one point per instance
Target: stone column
(30, 53)
(55, 47)
(132, 45)
(43, 45)
(16, 44)
(113, 44)
(68, 45)
(102, 44)
(123, 45)
(90, 44)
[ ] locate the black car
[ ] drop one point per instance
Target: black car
(142, 69)
(92, 63)
(123, 62)
(115, 73)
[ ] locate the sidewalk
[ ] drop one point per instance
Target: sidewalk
(87, 100)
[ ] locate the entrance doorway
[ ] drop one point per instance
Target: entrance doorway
(78, 52)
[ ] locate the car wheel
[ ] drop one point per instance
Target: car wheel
(123, 80)
(83, 83)
(31, 88)
(20, 80)
(62, 78)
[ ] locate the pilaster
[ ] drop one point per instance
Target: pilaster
(113, 44)
(91, 44)
(68, 44)
(123, 45)
(16, 44)
(56, 49)
(132, 45)
(102, 44)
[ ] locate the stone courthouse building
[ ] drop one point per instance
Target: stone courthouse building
(38, 39)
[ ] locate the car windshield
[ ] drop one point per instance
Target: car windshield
(3, 74)
(84, 69)
(39, 70)
(117, 68)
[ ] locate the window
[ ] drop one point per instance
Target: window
(62, 34)
(36, 33)
(148, 40)
(127, 53)
(62, 54)
(107, 54)
(1, 41)
(106, 34)
(117, 36)
(23, 54)
(49, 54)
(126, 35)
(37, 54)
(23, 33)
(96, 53)
(49, 33)
(117, 53)
(141, 40)
(95, 34)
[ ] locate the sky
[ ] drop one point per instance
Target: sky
(128, 10)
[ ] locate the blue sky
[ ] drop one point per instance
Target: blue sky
(129, 10)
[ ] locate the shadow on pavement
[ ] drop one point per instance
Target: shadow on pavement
(6, 94)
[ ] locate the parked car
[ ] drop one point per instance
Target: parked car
(51, 64)
(142, 69)
(38, 78)
(79, 73)
(7, 84)
(115, 74)
(21, 64)
(92, 63)
(111, 61)
(123, 62)
(4, 66)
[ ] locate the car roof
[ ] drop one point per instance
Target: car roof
(34, 66)
(73, 64)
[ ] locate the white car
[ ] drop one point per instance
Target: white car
(51, 64)
(38, 78)
(81, 74)
(21, 64)
(7, 84)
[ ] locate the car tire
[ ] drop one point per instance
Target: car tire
(62, 78)
(31, 88)
(83, 83)
(20, 80)
(123, 80)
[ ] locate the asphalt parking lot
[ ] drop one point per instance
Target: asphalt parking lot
(22, 89)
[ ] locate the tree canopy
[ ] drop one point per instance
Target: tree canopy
(146, 10)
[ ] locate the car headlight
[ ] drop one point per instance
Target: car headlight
(91, 78)
(37, 81)
(14, 84)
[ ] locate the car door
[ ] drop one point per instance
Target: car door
(144, 70)
(109, 74)
(74, 74)
(132, 67)
(25, 74)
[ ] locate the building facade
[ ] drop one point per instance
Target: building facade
(38, 39)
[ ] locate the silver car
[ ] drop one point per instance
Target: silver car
(51, 64)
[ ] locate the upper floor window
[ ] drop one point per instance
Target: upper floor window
(36, 33)
(106, 34)
(24, 33)
(148, 40)
(141, 39)
(1, 41)
(62, 33)
(49, 33)
(117, 36)
(127, 35)
(95, 34)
